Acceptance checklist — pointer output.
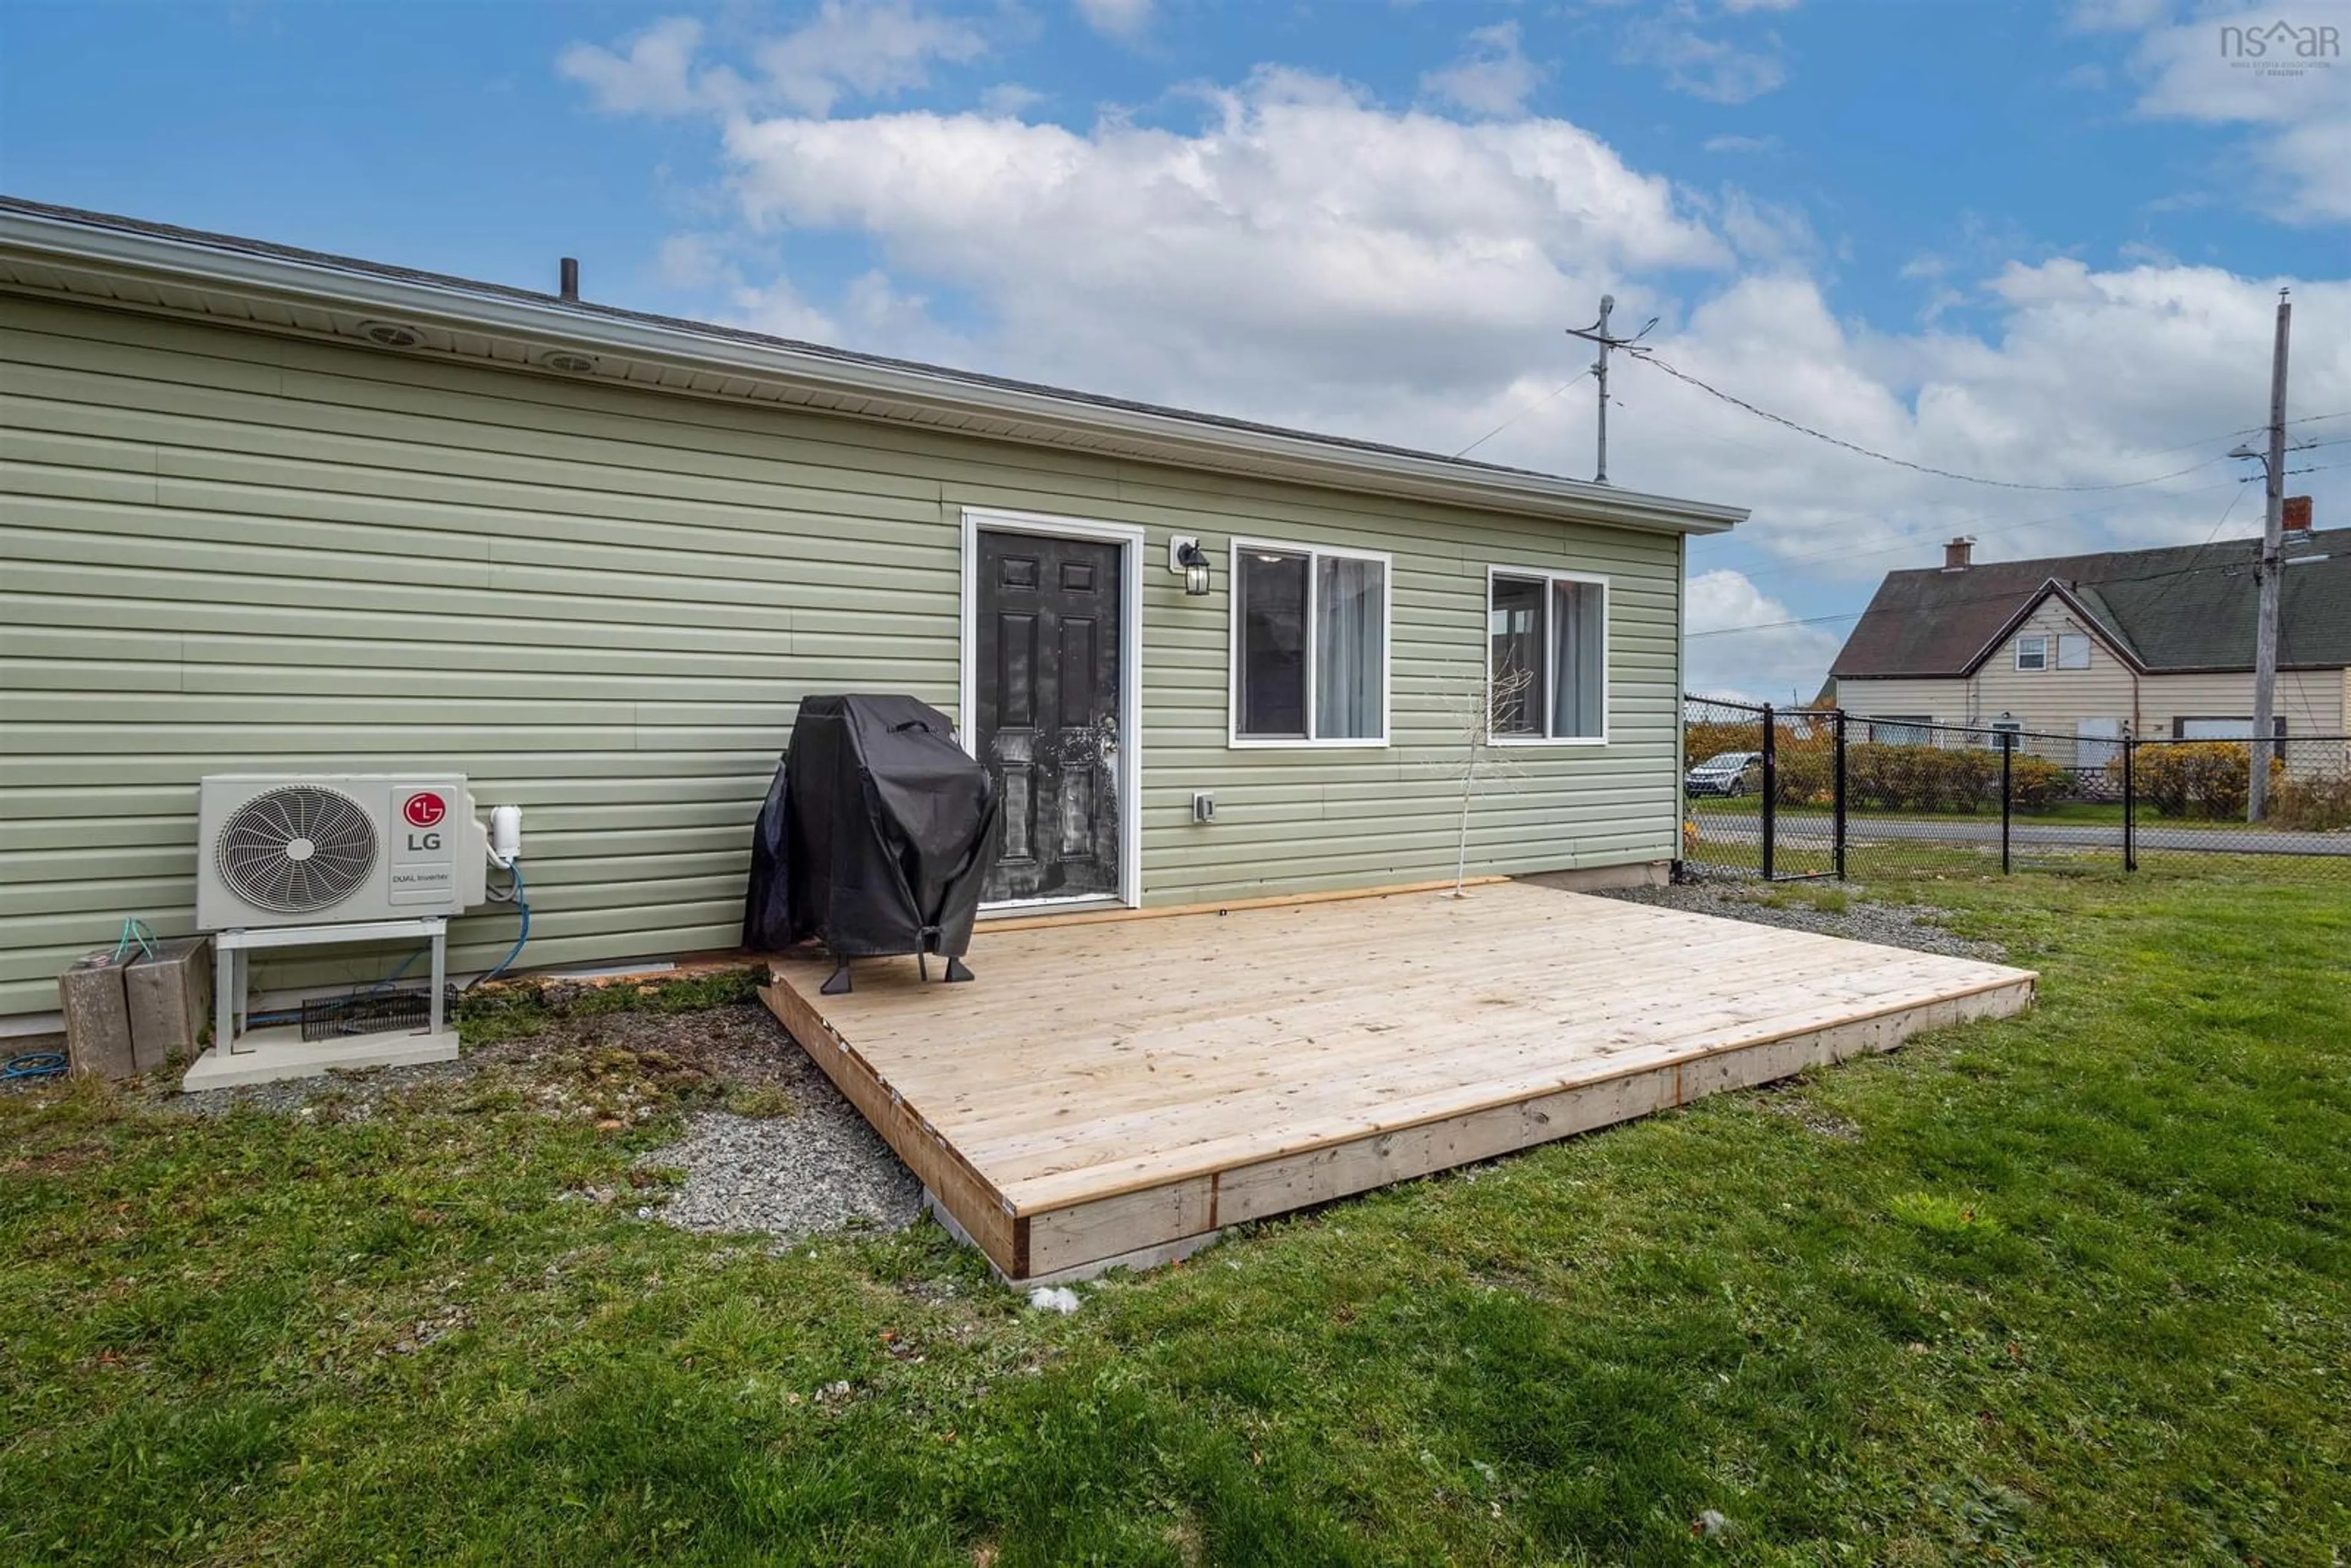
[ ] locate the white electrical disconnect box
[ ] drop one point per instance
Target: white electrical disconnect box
(1204, 806)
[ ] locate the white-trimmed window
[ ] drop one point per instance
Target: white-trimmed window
(1547, 655)
(1901, 729)
(2073, 650)
(1310, 656)
(2033, 653)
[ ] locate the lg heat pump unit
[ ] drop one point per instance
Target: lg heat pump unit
(278, 851)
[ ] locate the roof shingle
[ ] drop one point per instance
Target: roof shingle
(2185, 607)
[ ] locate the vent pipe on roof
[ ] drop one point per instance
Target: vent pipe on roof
(570, 272)
(1956, 554)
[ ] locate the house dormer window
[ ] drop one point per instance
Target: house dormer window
(2033, 653)
(2073, 650)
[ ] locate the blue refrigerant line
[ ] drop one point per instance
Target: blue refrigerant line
(522, 907)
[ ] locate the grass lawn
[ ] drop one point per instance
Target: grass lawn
(2074, 1287)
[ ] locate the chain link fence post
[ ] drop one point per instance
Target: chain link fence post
(1838, 846)
(2130, 804)
(2007, 794)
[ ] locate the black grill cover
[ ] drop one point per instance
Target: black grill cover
(877, 833)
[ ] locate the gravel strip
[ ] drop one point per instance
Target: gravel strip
(820, 1168)
(1912, 925)
(816, 1167)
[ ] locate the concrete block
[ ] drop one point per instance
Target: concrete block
(98, 1016)
(170, 1000)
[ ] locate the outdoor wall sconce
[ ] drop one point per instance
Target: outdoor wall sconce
(1185, 556)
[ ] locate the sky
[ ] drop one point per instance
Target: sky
(2035, 243)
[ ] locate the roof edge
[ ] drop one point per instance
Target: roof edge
(2053, 589)
(52, 235)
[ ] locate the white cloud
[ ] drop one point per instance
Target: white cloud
(1303, 239)
(1741, 144)
(690, 261)
(1490, 77)
(1769, 665)
(2295, 97)
(2118, 15)
(850, 48)
(1124, 20)
(1736, 7)
(1010, 99)
(1764, 232)
(1712, 69)
(870, 49)
(654, 76)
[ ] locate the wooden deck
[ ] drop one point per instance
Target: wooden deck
(1115, 1091)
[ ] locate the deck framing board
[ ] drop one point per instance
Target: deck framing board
(982, 1211)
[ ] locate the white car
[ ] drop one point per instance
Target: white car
(1725, 773)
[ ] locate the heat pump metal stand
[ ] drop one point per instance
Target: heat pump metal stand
(265, 1055)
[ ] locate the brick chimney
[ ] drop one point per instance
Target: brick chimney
(1956, 553)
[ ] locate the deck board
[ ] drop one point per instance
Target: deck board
(1109, 1086)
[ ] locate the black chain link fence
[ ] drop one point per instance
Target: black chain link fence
(1787, 794)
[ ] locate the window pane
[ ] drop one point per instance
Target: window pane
(1514, 623)
(1904, 729)
(1273, 591)
(2031, 653)
(2073, 650)
(1350, 644)
(1579, 695)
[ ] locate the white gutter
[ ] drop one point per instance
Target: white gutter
(219, 263)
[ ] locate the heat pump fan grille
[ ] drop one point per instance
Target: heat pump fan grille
(296, 849)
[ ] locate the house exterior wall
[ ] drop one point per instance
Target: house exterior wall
(1943, 701)
(2052, 701)
(2308, 700)
(227, 551)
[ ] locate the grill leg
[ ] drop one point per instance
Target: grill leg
(839, 985)
(956, 970)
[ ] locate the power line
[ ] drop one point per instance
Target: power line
(1522, 413)
(1650, 357)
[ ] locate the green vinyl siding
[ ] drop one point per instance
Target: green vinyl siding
(223, 551)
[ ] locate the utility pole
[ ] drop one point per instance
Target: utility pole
(2265, 635)
(1598, 333)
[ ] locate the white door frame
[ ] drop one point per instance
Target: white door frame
(1128, 536)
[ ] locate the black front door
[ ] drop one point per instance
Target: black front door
(1047, 690)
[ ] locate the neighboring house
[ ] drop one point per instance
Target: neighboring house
(2079, 646)
(271, 510)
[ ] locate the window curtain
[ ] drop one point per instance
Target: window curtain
(1580, 620)
(1350, 647)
